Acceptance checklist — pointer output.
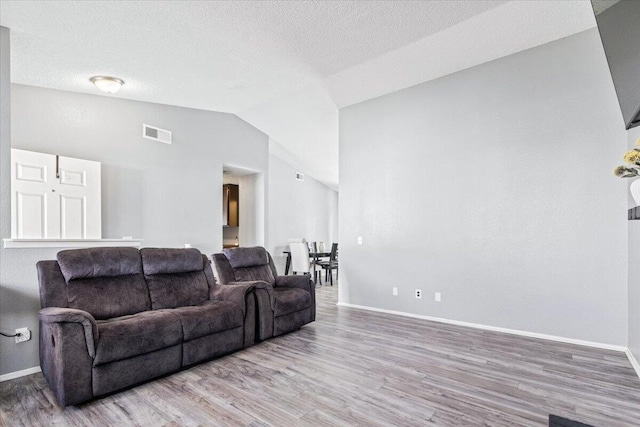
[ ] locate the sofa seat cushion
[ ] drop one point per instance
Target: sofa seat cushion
(209, 318)
(128, 336)
(290, 300)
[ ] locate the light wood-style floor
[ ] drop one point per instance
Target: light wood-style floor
(353, 367)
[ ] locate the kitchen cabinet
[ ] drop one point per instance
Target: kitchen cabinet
(230, 205)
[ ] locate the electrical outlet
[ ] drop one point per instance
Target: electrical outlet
(438, 297)
(23, 334)
(359, 240)
(418, 293)
(395, 291)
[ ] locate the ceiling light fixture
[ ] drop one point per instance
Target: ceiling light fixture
(107, 84)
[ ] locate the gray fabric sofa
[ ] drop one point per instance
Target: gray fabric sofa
(115, 317)
(284, 303)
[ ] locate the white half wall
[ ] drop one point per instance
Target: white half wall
(493, 186)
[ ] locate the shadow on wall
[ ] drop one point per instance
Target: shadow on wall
(13, 303)
(18, 309)
(123, 201)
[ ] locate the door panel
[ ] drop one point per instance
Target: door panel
(30, 215)
(73, 224)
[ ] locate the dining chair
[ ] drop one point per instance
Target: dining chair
(300, 262)
(332, 264)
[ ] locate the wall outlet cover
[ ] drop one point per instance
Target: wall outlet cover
(23, 334)
(438, 297)
(395, 292)
(418, 293)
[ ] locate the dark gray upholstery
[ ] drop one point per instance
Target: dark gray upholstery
(284, 303)
(168, 261)
(128, 336)
(114, 317)
(99, 262)
(105, 282)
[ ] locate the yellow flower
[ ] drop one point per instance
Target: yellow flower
(632, 157)
(619, 171)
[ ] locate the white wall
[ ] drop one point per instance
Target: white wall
(252, 210)
(306, 209)
(493, 186)
(167, 195)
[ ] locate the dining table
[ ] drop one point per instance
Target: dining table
(313, 255)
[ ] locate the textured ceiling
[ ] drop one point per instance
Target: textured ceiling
(283, 66)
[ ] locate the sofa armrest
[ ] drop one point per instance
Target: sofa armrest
(265, 303)
(68, 339)
(236, 293)
(303, 282)
(52, 315)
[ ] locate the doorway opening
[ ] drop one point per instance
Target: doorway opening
(243, 207)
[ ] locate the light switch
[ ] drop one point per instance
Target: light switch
(359, 240)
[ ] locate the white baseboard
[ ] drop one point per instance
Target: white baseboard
(18, 374)
(492, 328)
(634, 361)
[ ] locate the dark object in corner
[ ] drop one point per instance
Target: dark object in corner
(556, 421)
(634, 213)
(620, 35)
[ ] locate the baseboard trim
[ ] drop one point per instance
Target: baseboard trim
(491, 328)
(634, 361)
(18, 374)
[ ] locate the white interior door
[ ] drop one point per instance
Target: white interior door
(54, 200)
(79, 192)
(33, 213)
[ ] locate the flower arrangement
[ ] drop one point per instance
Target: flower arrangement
(632, 157)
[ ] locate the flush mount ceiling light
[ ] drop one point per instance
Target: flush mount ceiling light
(107, 84)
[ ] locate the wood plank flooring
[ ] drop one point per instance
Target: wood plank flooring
(354, 367)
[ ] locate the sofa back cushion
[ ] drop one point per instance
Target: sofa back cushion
(250, 264)
(106, 282)
(176, 277)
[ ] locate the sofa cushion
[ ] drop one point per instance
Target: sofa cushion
(107, 297)
(168, 261)
(290, 300)
(99, 262)
(106, 282)
(175, 277)
(258, 272)
(178, 289)
(209, 318)
(141, 333)
(246, 257)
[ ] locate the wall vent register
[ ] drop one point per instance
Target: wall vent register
(156, 134)
(299, 176)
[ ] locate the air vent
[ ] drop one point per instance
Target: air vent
(299, 176)
(156, 134)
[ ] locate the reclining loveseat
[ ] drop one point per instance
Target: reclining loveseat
(284, 303)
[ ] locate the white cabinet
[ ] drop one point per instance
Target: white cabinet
(54, 197)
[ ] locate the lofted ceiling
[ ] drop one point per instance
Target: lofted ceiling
(286, 67)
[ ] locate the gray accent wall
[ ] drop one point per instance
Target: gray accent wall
(493, 186)
(167, 195)
(634, 269)
(306, 209)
